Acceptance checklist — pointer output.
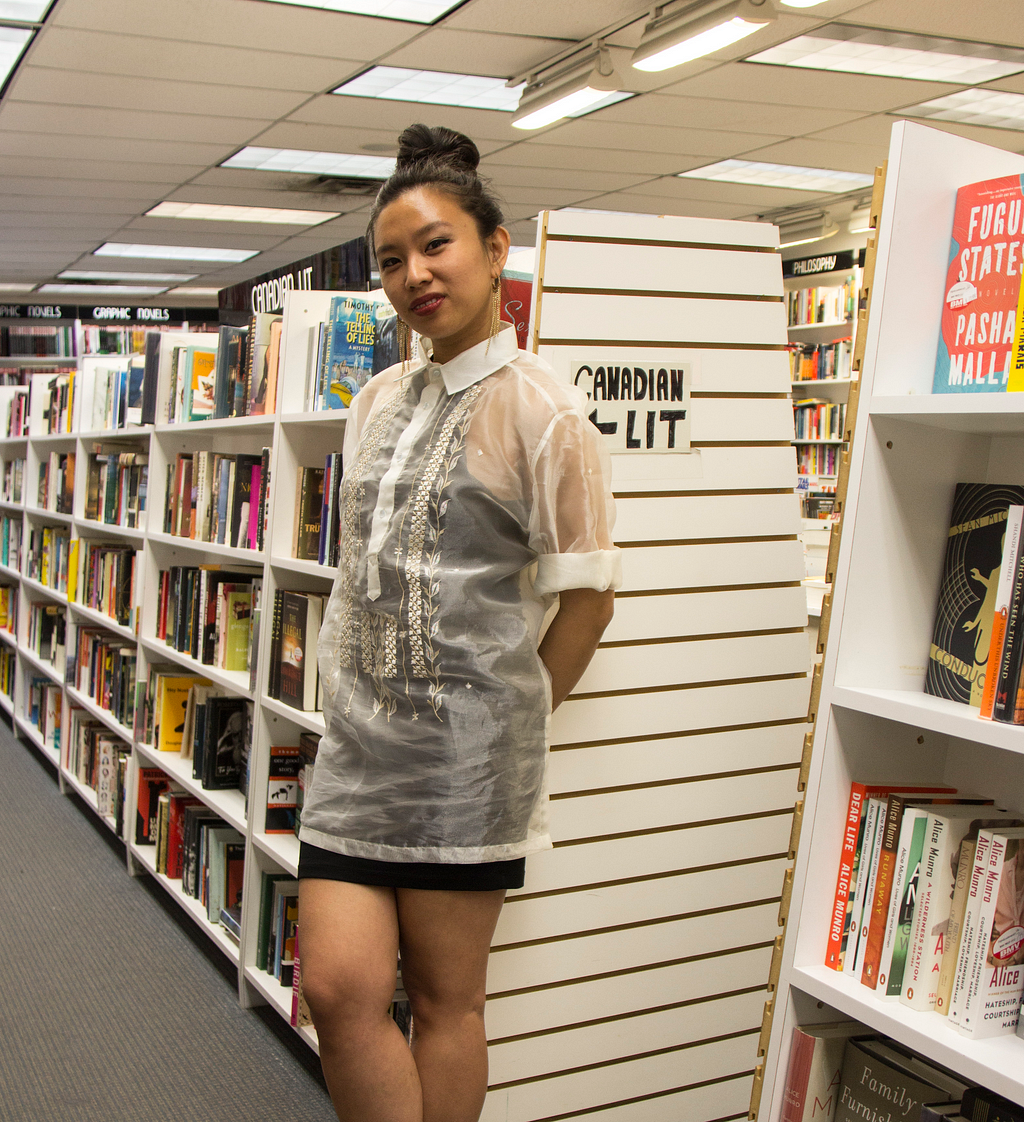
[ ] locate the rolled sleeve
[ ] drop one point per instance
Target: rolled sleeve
(599, 570)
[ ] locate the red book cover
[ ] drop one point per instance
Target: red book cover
(981, 310)
(175, 838)
(801, 1053)
(838, 927)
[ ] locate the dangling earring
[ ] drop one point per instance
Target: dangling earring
(495, 310)
(404, 345)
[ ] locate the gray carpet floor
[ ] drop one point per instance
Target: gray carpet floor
(113, 1008)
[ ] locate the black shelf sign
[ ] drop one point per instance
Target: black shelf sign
(822, 263)
(115, 314)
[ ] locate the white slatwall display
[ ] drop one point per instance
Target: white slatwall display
(628, 976)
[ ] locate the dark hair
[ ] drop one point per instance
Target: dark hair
(447, 160)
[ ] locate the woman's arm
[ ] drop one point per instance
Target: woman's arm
(572, 638)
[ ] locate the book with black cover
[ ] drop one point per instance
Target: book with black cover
(149, 378)
(958, 655)
(223, 753)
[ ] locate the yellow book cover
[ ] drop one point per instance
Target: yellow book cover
(173, 702)
(44, 562)
(73, 570)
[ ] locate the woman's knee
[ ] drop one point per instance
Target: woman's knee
(435, 1003)
(340, 992)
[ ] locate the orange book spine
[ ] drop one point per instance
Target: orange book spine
(995, 654)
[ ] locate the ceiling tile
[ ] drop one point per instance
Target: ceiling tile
(739, 194)
(55, 169)
(73, 147)
(381, 115)
(788, 85)
(471, 52)
(646, 204)
(11, 214)
(823, 154)
(59, 204)
(21, 116)
(239, 196)
(994, 21)
(876, 130)
(329, 138)
(114, 91)
(298, 30)
(12, 185)
(595, 132)
(575, 158)
(728, 116)
(77, 49)
(505, 175)
(566, 19)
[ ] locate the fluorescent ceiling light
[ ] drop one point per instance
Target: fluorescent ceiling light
(142, 278)
(312, 163)
(185, 293)
(433, 87)
(215, 212)
(24, 11)
(13, 41)
(806, 229)
(974, 107)
(781, 175)
(174, 252)
(103, 289)
(573, 91)
(12, 287)
(672, 40)
(802, 3)
(859, 221)
(413, 11)
(892, 54)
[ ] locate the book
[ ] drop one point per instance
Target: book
(900, 920)
(300, 1014)
(815, 1069)
(996, 979)
(981, 324)
(225, 733)
(282, 789)
(308, 514)
(852, 839)
(871, 1088)
(961, 637)
(954, 927)
(300, 625)
(981, 1105)
(348, 357)
(152, 784)
(1001, 605)
(874, 828)
(172, 700)
(267, 885)
(944, 834)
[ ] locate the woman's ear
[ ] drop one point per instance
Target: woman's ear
(497, 248)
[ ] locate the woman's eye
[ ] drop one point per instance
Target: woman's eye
(437, 243)
(388, 262)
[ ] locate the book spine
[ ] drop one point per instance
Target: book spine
(1004, 704)
(873, 832)
(1004, 595)
(879, 902)
(794, 1097)
(954, 929)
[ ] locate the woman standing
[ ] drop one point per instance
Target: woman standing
(475, 497)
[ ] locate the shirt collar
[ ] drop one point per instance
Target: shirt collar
(472, 366)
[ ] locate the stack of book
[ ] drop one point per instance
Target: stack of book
(820, 305)
(216, 737)
(38, 342)
(103, 669)
(93, 755)
(8, 609)
(117, 396)
(16, 414)
(208, 613)
(927, 910)
(44, 706)
(57, 482)
(161, 702)
(317, 532)
(291, 771)
(358, 340)
(815, 419)
(293, 676)
(58, 408)
(47, 627)
(116, 486)
(8, 662)
(102, 340)
(278, 920)
(101, 575)
(218, 497)
(10, 541)
(820, 362)
(14, 477)
(48, 551)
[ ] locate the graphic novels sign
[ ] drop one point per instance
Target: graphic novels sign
(105, 313)
(641, 405)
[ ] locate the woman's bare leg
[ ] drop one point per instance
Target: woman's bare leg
(445, 941)
(348, 943)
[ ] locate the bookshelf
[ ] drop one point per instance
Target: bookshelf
(874, 722)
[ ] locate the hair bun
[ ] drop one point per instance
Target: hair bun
(420, 144)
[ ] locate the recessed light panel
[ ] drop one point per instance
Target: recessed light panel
(141, 278)
(174, 252)
(433, 87)
(24, 11)
(102, 289)
(781, 175)
(414, 11)
(892, 54)
(312, 163)
(213, 212)
(9, 286)
(188, 293)
(974, 107)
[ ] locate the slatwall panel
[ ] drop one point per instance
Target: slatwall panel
(628, 976)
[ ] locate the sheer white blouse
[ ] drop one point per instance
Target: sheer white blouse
(472, 494)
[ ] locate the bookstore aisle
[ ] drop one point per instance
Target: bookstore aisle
(110, 1010)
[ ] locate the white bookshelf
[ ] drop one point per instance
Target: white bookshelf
(874, 722)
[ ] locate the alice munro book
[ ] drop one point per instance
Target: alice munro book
(958, 656)
(981, 339)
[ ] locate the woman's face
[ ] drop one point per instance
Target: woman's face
(436, 270)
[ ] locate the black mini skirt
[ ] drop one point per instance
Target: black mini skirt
(325, 864)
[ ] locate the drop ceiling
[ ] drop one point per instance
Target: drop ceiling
(119, 105)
